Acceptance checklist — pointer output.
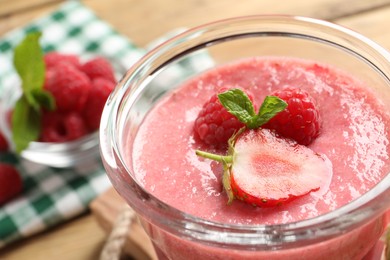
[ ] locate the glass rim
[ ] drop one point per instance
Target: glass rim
(333, 220)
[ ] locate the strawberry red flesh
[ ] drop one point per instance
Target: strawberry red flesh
(270, 171)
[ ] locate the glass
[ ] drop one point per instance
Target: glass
(82, 151)
(346, 233)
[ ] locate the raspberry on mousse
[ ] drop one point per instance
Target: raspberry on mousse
(300, 121)
(214, 124)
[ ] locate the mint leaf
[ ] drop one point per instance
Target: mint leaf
(44, 98)
(238, 103)
(270, 107)
(26, 118)
(26, 124)
(28, 62)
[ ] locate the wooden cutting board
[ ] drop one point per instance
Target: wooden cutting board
(106, 208)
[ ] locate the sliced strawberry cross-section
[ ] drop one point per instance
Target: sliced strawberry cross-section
(269, 171)
(265, 170)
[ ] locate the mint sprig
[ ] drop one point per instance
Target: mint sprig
(238, 103)
(26, 117)
(25, 124)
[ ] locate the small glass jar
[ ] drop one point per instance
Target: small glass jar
(346, 233)
(82, 151)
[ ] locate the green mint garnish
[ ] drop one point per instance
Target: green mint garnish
(25, 124)
(238, 103)
(26, 117)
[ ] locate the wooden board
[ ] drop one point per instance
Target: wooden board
(106, 209)
(79, 239)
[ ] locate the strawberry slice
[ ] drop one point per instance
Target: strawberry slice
(265, 170)
(269, 171)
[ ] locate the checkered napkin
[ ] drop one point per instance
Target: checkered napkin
(51, 196)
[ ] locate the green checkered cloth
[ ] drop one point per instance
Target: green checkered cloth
(50, 195)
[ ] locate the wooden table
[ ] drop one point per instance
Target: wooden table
(145, 20)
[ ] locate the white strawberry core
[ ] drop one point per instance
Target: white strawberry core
(266, 166)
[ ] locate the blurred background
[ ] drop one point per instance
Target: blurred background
(145, 20)
(142, 22)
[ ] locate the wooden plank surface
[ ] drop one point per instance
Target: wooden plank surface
(146, 20)
(81, 238)
(373, 25)
(10, 20)
(143, 21)
(10, 7)
(106, 209)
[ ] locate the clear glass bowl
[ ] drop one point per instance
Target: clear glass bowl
(346, 233)
(60, 155)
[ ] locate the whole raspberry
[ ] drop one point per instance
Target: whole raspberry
(99, 67)
(3, 143)
(62, 127)
(53, 58)
(69, 86)
(101, 89)
(10, 182)
(300, 120)
(214, 124)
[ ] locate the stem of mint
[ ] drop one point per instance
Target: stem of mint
(26, 116)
